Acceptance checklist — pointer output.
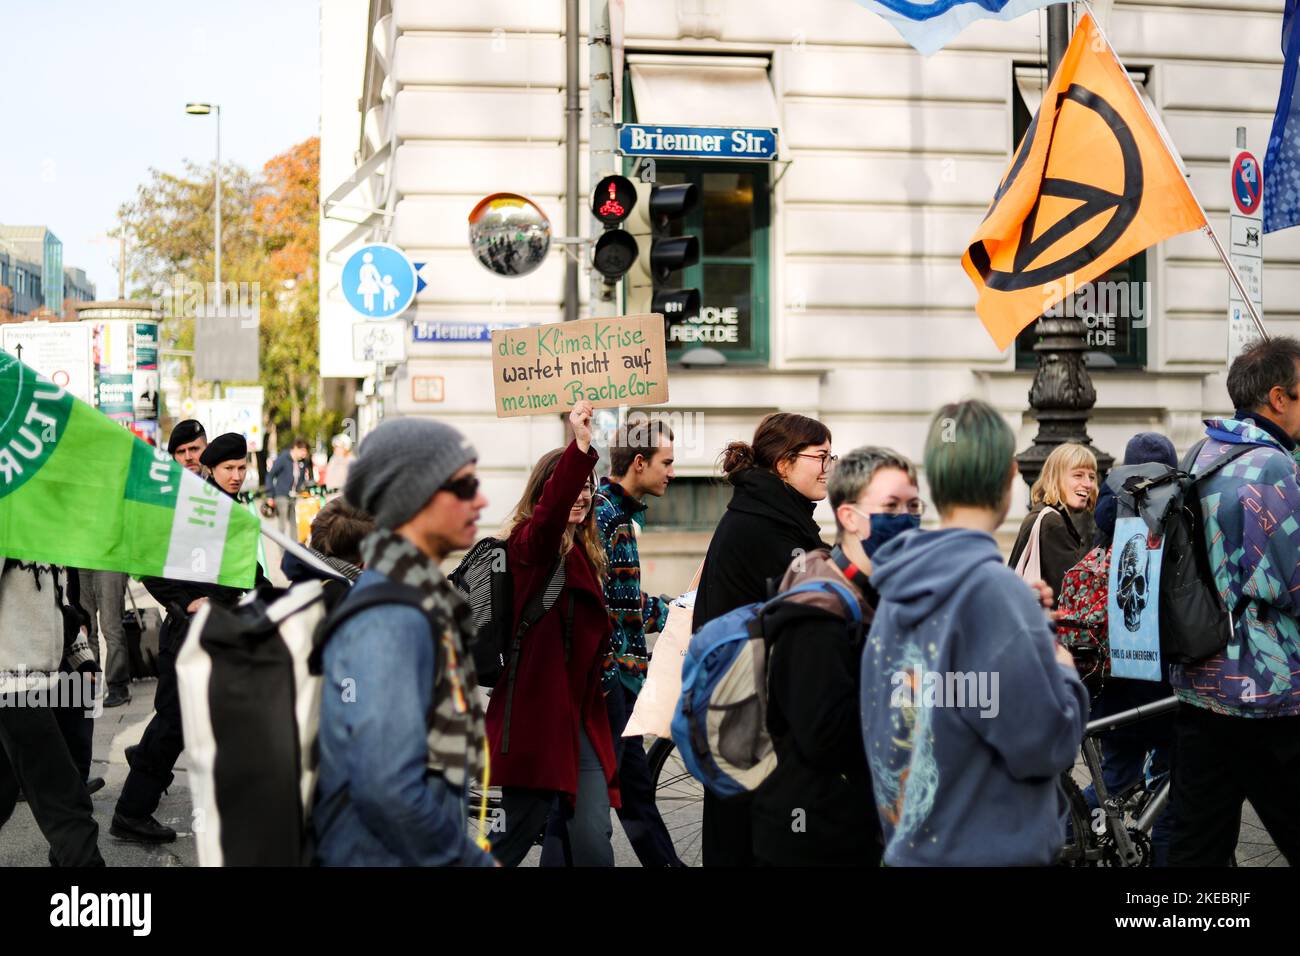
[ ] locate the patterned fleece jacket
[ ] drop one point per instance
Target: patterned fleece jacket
(632, 612)
(1252, 527)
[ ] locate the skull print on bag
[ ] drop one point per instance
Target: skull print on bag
(1132, 597)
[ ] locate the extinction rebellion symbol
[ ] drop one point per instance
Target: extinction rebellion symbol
(1095, 202)
(33, 415)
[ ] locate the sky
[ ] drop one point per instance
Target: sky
(93, 93)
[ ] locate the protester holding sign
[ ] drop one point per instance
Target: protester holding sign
(152, 760)
(551, 695)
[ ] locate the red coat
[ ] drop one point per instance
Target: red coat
(553, 699)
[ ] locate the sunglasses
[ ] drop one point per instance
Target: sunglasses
(463, 488)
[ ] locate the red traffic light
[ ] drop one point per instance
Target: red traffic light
(612, 200)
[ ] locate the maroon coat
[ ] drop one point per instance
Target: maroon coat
(552, 699)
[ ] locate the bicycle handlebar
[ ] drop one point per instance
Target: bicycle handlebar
(1131, 716)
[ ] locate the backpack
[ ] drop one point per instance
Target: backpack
(1084, 626)
(1194, 622)
(249, 682)
(720, 726)
(483, 577)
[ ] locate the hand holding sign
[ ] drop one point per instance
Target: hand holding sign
(605, 362)
(580, 419)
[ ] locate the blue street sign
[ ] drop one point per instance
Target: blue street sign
(379, 281)
(458, 331)
(710, 142)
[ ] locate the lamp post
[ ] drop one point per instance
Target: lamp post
(203, 109)
(1062, 393)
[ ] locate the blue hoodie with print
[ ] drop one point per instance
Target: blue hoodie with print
(967, 717)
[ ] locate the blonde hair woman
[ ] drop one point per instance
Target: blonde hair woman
(1067, 491)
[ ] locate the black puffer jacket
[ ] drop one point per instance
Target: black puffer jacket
(816, 807)
(767, 523)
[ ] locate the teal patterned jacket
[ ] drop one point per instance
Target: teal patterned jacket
(632, 612)
(1252, 527)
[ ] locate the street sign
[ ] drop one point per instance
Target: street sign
(702, 142)
(456, 331)
(1246, 249)
(1247, 183)
(58, 350)
(379, 281)
(379, 341)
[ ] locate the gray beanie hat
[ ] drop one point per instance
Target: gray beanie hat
(401, 464)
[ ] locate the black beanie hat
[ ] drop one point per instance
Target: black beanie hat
(228, 447)
(184, 433)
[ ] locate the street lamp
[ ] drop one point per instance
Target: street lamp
(203, 109)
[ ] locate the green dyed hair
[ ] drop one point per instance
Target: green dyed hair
(968, 456)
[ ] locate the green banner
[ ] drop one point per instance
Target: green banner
(77, 489)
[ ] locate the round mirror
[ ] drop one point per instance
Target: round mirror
(509, 234)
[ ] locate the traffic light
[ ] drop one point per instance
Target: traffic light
(612, 201)
(660, 254)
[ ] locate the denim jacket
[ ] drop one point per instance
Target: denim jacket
(377, 803)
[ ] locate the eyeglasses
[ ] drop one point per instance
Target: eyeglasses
(463, 488)
(826, 458)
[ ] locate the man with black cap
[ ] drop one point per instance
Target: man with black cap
(186, 444)
(151, 761)
(401, 727)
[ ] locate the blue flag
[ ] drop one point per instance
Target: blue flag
(929, 24)
(1282, 161)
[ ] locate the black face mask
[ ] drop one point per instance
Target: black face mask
(885, 527)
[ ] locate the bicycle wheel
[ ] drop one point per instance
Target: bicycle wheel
(680, 799)
(1080, 843)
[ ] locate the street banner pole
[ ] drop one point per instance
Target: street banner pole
(1209, 229)
(603, 137)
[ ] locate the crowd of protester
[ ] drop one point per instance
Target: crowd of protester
(863, 775)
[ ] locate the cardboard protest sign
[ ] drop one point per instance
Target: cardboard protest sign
(550, 368)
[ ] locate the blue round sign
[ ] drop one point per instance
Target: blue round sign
(379, 281)
(1247, 184)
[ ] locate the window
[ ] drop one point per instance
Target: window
(690, 504)
(1114, 307)
(731, 221)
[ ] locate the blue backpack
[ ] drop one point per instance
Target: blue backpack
(720, 727)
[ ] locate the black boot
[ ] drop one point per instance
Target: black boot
(140, 829)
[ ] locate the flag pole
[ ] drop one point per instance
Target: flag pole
(1173, 151)
(299, 552)
(1236, 278)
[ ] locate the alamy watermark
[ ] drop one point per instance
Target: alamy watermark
(1104, 307)
(185, 298)
(957, 689)
(58, 689)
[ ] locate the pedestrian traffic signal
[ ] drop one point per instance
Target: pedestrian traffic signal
(612, 201)
(660, 254)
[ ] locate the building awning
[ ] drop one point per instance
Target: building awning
(703, 90)
(358, 176)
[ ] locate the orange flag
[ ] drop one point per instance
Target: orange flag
(1091, 184)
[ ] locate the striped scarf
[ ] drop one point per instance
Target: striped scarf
(456, 728)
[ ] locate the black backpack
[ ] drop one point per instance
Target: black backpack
(1194, 623)
(483, 576)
